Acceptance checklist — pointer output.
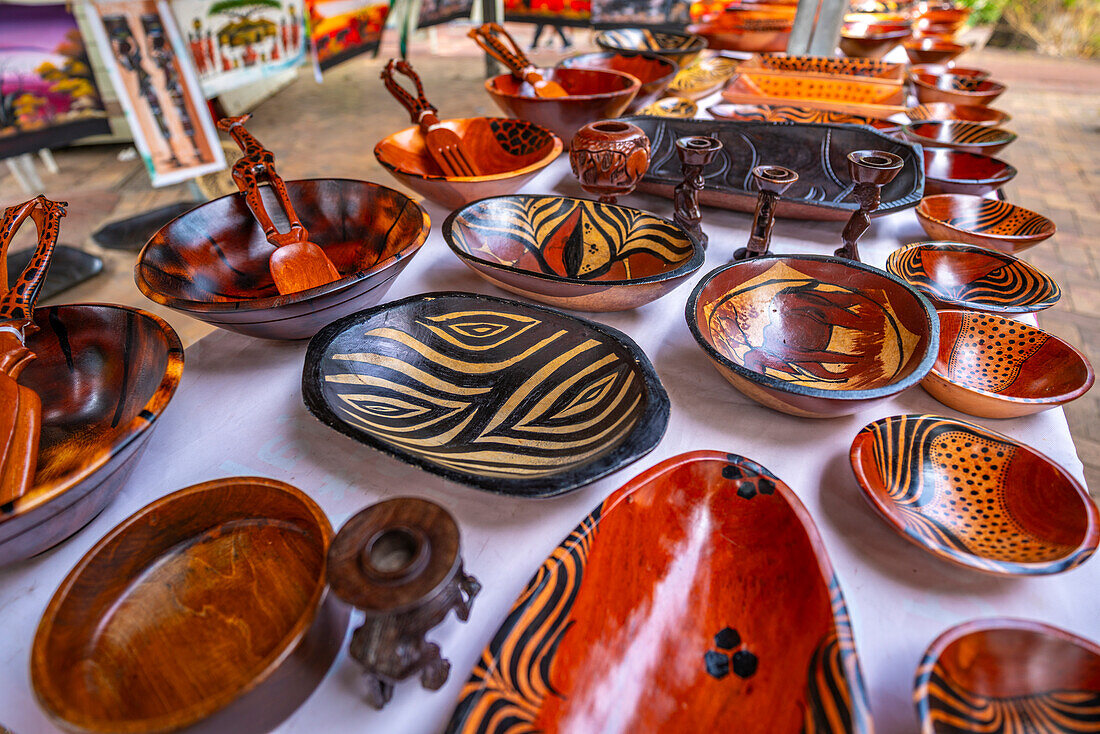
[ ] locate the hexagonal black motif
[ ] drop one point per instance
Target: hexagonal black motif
(727, 639)
(718, 665)
(744, 663)
(747, 490)
(765, 485)
(731, 472)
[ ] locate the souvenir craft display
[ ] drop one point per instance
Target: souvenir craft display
(953, 172)
(794, 113)
(676, 107)
(180, 627)
(695, 152)
(771, 181)
(978, 114)
(933, 50)
(827, 66)
(967, 137)
(574, 628)
(948, 88)
(653, 71)
(499, 395)
(495, 41)
(869, 170)
(872, 40)
(748, 28)
(608, 158)
(995, 367)
(636, 13)
(973, 220)
(837, 93)
(683, 48)
(974, 497)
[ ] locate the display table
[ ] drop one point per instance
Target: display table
(239, 411)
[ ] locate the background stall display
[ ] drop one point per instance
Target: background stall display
(343, 29)
(549, 12)
(437, 12)
(652, 13)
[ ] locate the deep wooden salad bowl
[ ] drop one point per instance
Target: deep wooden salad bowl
(655, 72)
(682, 48)
(500, 395)
(1008, 670)
(212, 262)
(813, 336)
(990, 223)
(953, 275)
(995, 367)
(573, 253)
(979, 114)
(933, 50)
(730, 619)
(205, 611)
(974, 497)
(968, 137)
(946, 88)
(105, 374)
(872, 40)
(508, 152)
(949, 171)
(592, 94)
(795, 113)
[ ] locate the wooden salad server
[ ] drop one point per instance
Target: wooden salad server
(496, 42)
(297, 264)
(443, 144)
(20, 407)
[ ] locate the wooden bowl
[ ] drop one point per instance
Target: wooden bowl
(701, 594)
(969, 137)
(507, 152)
(978, 114)
(655, 72)
(872, 40)
(944, 88)
(503, 396)
(974, 497)
(683, 48)
(755, 28)
(949, 171)
(104, 373)
(994, 367)
(204, 611)
(794, 113)
(594, 94)
(953, 275)
(933, 50)
(1010, 670)
(212, 262)
(990, 223)
(675, 107)
(837, 93)
(813, 336)
(573, 253)
(964, 77)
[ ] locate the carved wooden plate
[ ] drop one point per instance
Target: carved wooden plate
(654, 71)
(683, 48)
(696, 598)
(500, 395)
(974, 497)
(932, 88)
(873, 39)
(572, 253)
(794, 113)
(957, 172)
(974, 220)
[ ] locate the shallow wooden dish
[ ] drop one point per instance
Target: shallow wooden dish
(683, 48)
(507, 152)
(682, 109)
(933, 50)
(500, 395)
(204, 611)
(994, 367)
(701, 79)
(1010, 670)
(105, 374)
(886, 72)
(872, 40)
(654, 71)
(954, 172)
(974, 220)
(683, 639)
(963, 77)
(793, 113)
(932, 88)
(212, 262)
(979, 114)
(593, 94)
(752, 28)
(952, 275)
(838, 93)
(573, 253)
(849, 335)
(974, 497)
(968, 137)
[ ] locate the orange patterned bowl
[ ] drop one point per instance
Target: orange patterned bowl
(974, 220)
(655, 72)
(956, 90)
(969, 137)
(979, 114)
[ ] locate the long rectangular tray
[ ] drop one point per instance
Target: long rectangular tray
(837, 93)
(865, 70)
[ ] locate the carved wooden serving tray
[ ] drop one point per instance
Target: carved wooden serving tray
(838, 93)
(816, 152)
(861, 69)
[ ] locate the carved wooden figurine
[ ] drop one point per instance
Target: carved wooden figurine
(399, 562)
(609, 158)
(870, 170)
(695, 152)
(771, 181)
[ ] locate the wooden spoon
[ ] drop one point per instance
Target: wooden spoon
(496, 42)
(297, 264)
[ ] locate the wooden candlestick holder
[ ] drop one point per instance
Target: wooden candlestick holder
(870, 170)
(695, 151)
(772, 181)
(399, 562)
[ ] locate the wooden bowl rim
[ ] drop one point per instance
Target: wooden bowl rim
(275, 302)
(635, 85)
(931, 322)
(994, 88)
(966, 559)
(1008, 171)
(697, 44)
(720, 111)
(690, 264)
(54, 701)
(922, 213)
(1003, 137)
(930, 43)
(1000, 116)
(671, 66)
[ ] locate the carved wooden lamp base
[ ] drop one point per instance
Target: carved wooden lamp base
(870, 170)
(399, 562)
(772, 182)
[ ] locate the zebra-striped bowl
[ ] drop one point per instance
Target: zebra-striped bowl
(990, 223)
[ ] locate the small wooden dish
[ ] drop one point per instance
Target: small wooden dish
(953, 172)
(105, 374)
(794, 113)
(933, 50)
(933, 88)
(654, 71)
(968, 137)
(573, 253)
(994, 367)
(204, 611)
(701, 594)
(974, 497)
(1009, 670)
(503, 396)
(974, 220)
(683, 48)
(212, 262)
(953, 275)
(839, 93)
(813, 336)
(978, 114)
(872, 40)
(681, 109)
(509, 153)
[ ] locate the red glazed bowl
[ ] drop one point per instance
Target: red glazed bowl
(968, 137)
(933, 50)
(974, 220)
(655, 72)
(932, 88)
(958, 172)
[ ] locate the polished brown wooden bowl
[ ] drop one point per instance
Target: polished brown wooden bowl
(593, 94)
(995, 367)
(1008, 670)
(755, 28)
(212, 262)
(683, 48)
(105, 374)
(978, 114)
(947, 88)
(933, 50)
(957, 135)
(974, 497)
(872, 40)
(953, 275)
(954, 172)
(795, 113)
(655, 72)
(507, 152)
(573, 253)
(205, 611)
(813, 336)
(974, 220)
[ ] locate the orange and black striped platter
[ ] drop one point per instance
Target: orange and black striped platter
(796, 113)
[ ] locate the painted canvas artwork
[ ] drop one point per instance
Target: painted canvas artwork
(549, 12)
(436, 12)
(343, 29)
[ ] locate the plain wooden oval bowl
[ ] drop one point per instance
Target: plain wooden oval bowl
(655, 72)
(682, 48)
(975, 220)
(949, 171)
(872, 40)
(796, 113)
(968, 137)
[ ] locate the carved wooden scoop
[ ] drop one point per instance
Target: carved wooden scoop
(20, 407)
(496, 42)
(297, 264)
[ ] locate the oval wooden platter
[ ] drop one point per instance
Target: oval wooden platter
(654, 71)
